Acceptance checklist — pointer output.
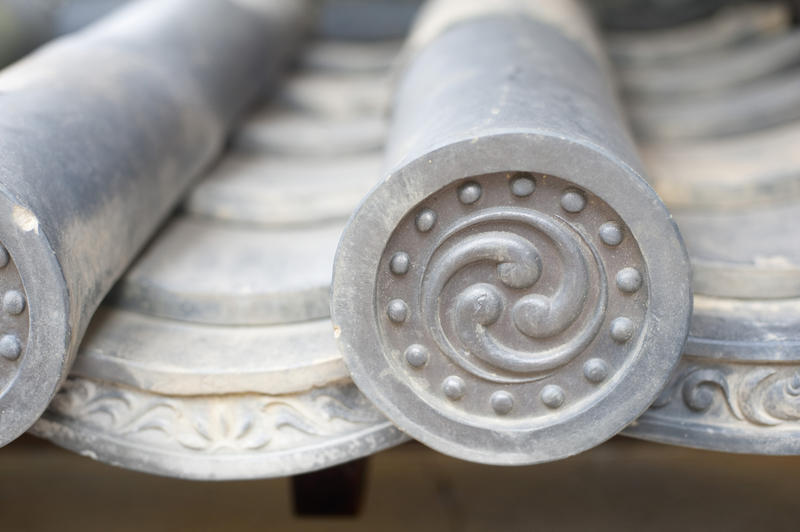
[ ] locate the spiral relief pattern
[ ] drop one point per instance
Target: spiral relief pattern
(764, 395)
(519, 266)
(497, 290)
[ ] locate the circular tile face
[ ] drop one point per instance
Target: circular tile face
(510, 295)
(522, 329)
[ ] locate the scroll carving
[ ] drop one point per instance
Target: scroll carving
(208, 424)
(764, 396)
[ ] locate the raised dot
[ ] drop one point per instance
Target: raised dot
(3, 257)
(400, 263)
(469, 193)
(426, 218)
(397, 310)
(522, 186)
(611, 234)
(629, 280)
(621, 329)
(595, 370)
(416, 355)
(552, 396)
(502, 402)
(454, 387)
(573, 201)
(10, 347)
(13, 302)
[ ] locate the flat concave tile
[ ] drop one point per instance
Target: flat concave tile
(753, 254)
(284, 132)
(203, 271)
(177, 358)
(279, 191)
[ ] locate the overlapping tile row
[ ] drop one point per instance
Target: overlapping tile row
(101, 132)
(213, 357)
(731, 73)
(509, 288)
(720, 147)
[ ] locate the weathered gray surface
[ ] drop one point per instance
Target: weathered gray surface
(213, 437)
(348, 56)
(213, 358)
(735, 200)
(726, 28)
(766, 103)
(309, 159)
(758, 330)
(72, 15)
(734, 196)
(337, 94)
(285, 132)
(742, 171)
(364, 20)
(205, 271)
(713, 71)
(128, 112)
(513, 292)
(280, 191)
(737, 388)
(751, 253)
(179, 358)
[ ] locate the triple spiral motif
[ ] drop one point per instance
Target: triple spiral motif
(511, 294)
